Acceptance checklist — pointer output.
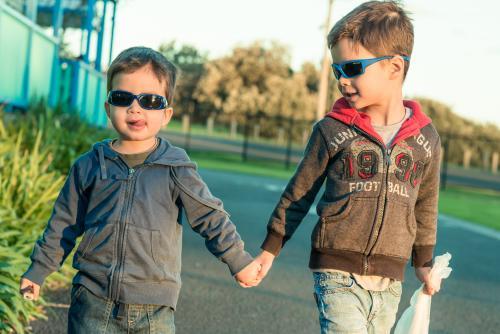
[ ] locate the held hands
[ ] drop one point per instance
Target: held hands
(423, 274)
(28, 289)
(253, 274)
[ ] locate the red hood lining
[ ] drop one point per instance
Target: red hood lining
(344, 113)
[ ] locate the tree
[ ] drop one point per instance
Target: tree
(235, 85)
(191, 62)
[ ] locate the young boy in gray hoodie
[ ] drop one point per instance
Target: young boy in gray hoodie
(126, 197)
(379, 156)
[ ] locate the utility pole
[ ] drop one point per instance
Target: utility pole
(325, 70)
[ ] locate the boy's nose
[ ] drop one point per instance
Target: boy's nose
(343, 81)
(134, 107)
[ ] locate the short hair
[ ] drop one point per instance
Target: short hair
(137, 57)
(382, 27)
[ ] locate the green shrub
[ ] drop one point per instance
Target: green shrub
(36, 151)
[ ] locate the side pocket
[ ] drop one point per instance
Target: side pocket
(155, 246)
(142, 254)
(84, 245)
(351, 229)
(398, 231)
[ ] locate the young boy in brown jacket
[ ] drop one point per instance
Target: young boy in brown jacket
(380, 158)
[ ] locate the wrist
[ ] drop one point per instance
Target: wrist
(267, 255)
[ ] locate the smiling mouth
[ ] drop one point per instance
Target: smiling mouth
(348, 95)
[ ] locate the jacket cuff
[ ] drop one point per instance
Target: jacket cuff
(422, 256)
(37, 273)
(237, 260)
(273, 243)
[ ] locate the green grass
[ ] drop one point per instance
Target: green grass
(224, 133)
(478, 206)
(230, 162)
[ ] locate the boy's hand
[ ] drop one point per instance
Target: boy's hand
(266, 261)
(247, 277)
(423, 274)
(29, 290)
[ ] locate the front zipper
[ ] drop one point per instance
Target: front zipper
(386, 152)
(115, 274)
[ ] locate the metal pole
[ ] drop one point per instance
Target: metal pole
(112, 32)
(88, 27)
(32, 10)
(57, 16)
(100, 38)
(325, 70)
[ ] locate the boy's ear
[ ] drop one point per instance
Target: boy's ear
(106, 107)
(397, 67)
(168, 116)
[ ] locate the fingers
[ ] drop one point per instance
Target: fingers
(429, 290)
(29, 290)
(263, 271)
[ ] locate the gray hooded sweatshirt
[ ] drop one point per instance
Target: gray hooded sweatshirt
(131, 225)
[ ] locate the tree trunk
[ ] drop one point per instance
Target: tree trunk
(210, 124)
(185, 123)
(467, 157)
(234, 126)
(494, 163)
(281, 136)
(486, 159)
(256, 131)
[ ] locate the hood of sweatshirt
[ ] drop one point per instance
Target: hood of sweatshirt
(164, 154)
(344, 113)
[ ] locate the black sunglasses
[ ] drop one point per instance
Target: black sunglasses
(121, 98)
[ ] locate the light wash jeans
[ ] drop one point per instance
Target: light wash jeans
(345, 307)
(91, 314)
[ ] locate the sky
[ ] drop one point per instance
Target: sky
(455, 55)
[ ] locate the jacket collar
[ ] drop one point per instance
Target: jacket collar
(164, 154)
(344, 113)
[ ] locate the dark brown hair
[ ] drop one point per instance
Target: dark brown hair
(134, 58)
(381, 27)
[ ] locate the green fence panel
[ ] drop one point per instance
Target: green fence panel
(42, 56)
(14, 38)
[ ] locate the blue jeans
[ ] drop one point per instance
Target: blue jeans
(345, 307)
(91, 314)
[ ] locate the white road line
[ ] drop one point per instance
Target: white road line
(273, 187)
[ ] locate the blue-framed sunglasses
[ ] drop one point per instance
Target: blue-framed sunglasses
(121, 98)
(353, 68)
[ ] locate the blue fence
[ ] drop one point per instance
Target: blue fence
(31, 68)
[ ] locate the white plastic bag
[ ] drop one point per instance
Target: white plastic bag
(415, 319)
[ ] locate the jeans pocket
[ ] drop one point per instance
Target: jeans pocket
(395, 288)
(329, 283)
(76, 291)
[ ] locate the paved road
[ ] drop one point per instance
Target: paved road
(211, 302)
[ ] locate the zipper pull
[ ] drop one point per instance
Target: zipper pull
(131, 171)
(388, 157)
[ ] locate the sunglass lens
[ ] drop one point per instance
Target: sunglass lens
(336, 72)
(352, 69)
(151, 101)
(121, 99)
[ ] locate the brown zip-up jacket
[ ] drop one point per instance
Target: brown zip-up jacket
(380, 203)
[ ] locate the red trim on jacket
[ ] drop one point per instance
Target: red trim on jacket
(344, 113)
